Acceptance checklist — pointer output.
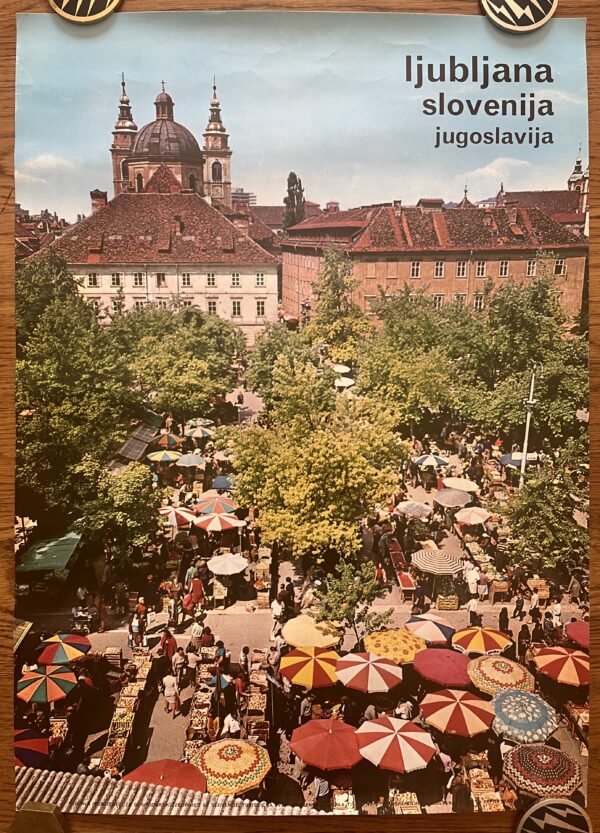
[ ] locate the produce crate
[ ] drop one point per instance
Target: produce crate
(447, 603)
(114, 657)
(262, 599)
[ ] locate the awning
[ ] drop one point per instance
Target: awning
(135, 446)
(49, 555)
(21, 628)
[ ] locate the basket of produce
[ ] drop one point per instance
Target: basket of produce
(257, 704)
(112, 756)
(447, 603)
(58, 730)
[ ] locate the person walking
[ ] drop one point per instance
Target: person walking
(472, 608)
(523, 642)
(168, 644)
(534, 606)
(519, 611)
(179, 664)
(503, 620)
(171, 693)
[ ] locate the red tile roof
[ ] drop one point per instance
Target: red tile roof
(272, 215)
(385, 228)
(551, 202)
(158, 227)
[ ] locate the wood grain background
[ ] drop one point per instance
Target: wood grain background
(491, 823)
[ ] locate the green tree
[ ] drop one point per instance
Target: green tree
(73, 397)
(350, 594)
(122, 501)
(268, 347)
(38, 282)
(294, 202)
(339, 324)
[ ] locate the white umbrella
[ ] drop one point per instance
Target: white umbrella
(461, 483)
(344, 382)
(414, 509)
(472, 515)
(340, 368)
(227, 564)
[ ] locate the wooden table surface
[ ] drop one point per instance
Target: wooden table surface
(491, 823)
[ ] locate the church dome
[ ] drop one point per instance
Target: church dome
(166, 139)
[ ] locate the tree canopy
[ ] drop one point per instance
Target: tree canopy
(294, 201)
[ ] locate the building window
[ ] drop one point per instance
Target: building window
(478, 301)
(260, 279)
(217, 172)
(161, 304)
(531, 268)
(235, 279)
(461, 268)
(92, 279)
(439, 269)
(139, 183)
(260, 309)
(236, 308)
(503, 271)
(116, 280)
(186, 302)
(481, 268)
(116, 305)
(211, 279)
(438, 301)
(212, 308)
(461, 299)
(192, 182)
(95, 304)
(139, 304)
(138, 278)
(161, 279)
(415, 269)
(560, 266)
(186, 279)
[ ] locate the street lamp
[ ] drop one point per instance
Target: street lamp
(529, 404)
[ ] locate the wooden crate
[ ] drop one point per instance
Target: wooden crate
(262, 600)
(447, 603)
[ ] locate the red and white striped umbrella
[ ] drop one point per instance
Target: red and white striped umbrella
(399, 745)
(367, 672)
(457, 712)
(177, 515)
(218, 523)
(565, 665)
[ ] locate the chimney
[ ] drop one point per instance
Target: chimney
(99, 200)
(513, 213)
(332, 207)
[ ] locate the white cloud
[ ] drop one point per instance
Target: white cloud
(486, 180)
(47, 163)
(21, 176)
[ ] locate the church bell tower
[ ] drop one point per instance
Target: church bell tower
(124, 136)
(217, 155)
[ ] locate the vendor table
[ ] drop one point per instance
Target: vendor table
(407, 585)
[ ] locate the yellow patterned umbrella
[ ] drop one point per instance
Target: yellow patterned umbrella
(232, 766)
(304, 631)
(310, 667)
(397, 645)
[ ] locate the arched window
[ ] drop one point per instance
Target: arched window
(217, 172)
(192, 182)
(124, 176)
(578, 188)
(139, 183)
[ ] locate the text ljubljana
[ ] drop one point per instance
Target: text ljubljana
(479, 73)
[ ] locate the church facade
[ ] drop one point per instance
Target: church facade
(168, 235)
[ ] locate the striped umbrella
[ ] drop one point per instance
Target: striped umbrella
(463, 484)
(46, 684)
(397, 645)
(565, 665)
(457, 712)
(435, 630)
(61, 648)
(310, 667)
(200, 432)
(399, 745)
(494, 674)
(523, 716)
(430, 460)
(31, 748)
(165, 456)
(232, 766)
(219, 505)
(414, 509)
(177, 515)
(451, 498)
(436, 562)
(326, 744)
(303, 630)
(368, 673)
(472, 515)
(541, 770)
(579, 632)
(480, 641)
(219, 523)
(167, 441)
(443, 667)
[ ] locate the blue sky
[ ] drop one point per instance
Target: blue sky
(322, 94)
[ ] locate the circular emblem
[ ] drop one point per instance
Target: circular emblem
(555, 816)
(84, 11)
(519, 15)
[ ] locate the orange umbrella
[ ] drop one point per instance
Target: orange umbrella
(480, 641)
(326, 744)
(310, 667)
(565, 665)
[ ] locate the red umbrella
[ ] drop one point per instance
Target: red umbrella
(169, 774)
(442, 666)
(457, 712)
(399, 745)
(31, 748)
(326, 744)
(579, 632)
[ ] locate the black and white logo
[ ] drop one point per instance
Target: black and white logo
(84, 11)
(520, 15)
(555, 815)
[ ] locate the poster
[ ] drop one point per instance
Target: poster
(302, 473)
